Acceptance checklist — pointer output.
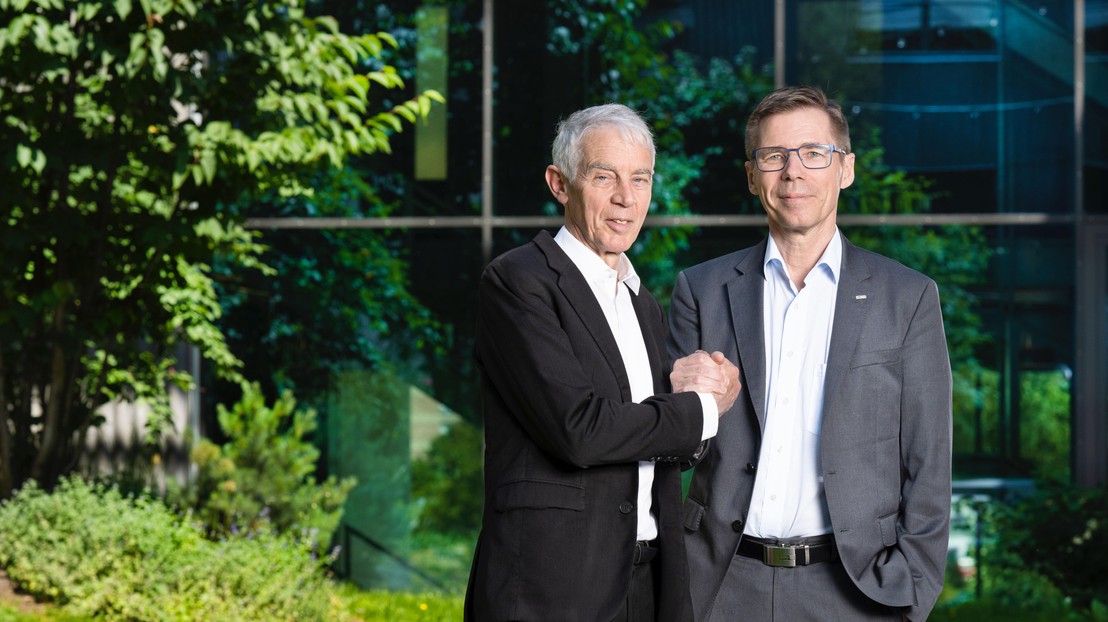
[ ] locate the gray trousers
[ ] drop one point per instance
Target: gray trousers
(759, 593)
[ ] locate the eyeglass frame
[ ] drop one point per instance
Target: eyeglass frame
(830, 159)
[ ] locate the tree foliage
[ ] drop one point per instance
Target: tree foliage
(128, 128)
(697, 109)
(1060, 532)
(340, 298)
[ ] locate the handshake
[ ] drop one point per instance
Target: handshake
(707, 373)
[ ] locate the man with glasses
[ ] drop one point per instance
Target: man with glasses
(825, 494)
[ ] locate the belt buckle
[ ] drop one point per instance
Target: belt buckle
(780, 556)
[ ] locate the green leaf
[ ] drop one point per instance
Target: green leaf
(387, 37)
(207, 164)
(23, 155)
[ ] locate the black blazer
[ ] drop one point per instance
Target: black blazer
(562, 443)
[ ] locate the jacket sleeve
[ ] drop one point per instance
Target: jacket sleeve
(682, 339)
(926, 436)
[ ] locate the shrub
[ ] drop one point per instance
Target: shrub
(101, 554)
(1061, 533)
(264, 476)
(447, 484)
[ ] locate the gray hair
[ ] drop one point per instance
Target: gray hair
(566, 152)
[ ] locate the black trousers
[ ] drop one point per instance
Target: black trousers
(640, 604)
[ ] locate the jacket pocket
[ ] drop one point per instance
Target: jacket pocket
(887, 525)
(536, 495)
(876, 357)
(694, 513)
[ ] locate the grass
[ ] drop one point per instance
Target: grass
(360, 606)
(9, 613)
(400, 607)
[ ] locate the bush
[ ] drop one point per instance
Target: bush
(264, 476)
(447, 484)
(1061, 533)
(101, 554)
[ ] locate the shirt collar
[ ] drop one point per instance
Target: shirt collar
(831, 260)
(592, 266)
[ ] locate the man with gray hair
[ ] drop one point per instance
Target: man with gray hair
(583, 441)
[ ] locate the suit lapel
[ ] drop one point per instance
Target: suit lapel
(655, 343)
(573, 286)
(746, 294)
(852, 304)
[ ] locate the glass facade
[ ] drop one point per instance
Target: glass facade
(981, 132)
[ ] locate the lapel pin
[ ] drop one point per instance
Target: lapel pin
(860, 297)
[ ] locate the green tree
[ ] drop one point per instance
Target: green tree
(341, 298)
(128, 129)
(264, 476)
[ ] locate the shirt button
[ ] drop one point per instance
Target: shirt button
(626, 507)
(737, 525)
(773, 497)
(750, 468)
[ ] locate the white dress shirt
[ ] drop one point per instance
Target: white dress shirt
(788, 499)
(613, 290)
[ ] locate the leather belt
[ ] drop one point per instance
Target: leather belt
(773, 553)
(645, 550)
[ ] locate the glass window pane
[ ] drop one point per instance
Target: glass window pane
(1095, 118)
(975, 95)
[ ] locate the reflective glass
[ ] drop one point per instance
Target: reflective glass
(947, 86)
(972, 100)
(1095, 117)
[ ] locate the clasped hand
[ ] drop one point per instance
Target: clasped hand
(707, 373)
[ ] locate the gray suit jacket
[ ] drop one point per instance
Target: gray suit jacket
(885, 443)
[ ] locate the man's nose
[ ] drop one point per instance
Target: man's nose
(624, 193)
(793, 166)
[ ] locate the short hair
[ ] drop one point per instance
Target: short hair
(566, 151)
(789, 98)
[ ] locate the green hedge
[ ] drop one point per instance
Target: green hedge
(98, 553)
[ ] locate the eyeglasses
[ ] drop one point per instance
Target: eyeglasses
(814, 156)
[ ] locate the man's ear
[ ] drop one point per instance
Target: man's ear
(557, 183)
(847, 176)
(750, 178)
